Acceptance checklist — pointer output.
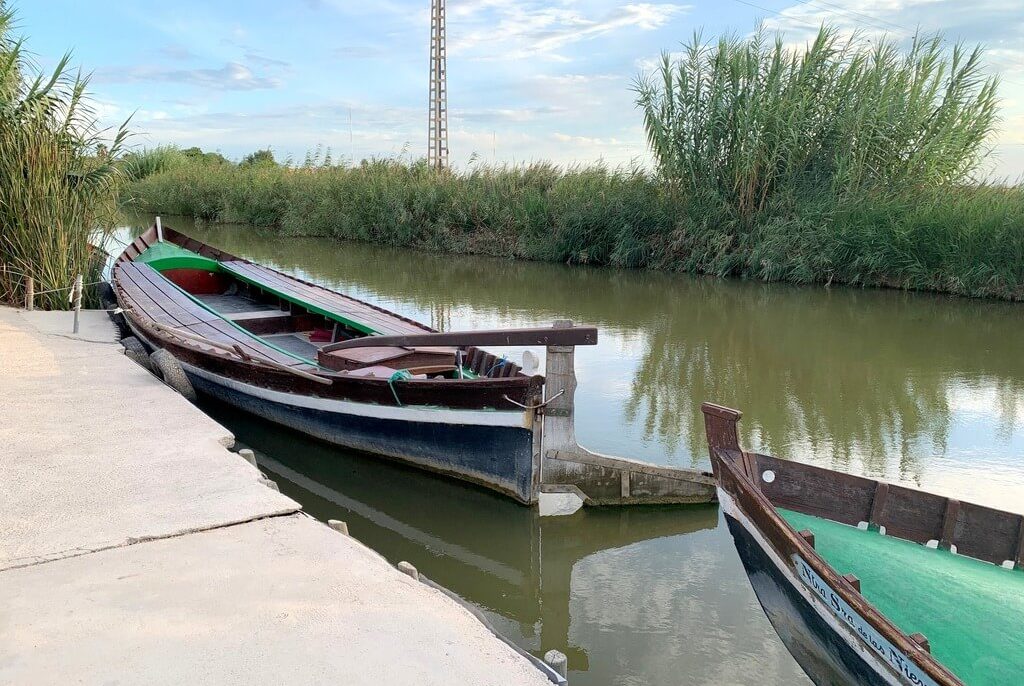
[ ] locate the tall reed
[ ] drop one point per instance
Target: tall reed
(57, 191)
(756, 122)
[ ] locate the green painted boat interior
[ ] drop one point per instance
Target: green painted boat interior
(971, 612)
(166, 255)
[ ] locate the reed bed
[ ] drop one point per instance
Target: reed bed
(57, 191)
(841, 163)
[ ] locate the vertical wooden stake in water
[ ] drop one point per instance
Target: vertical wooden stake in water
(159, 231)
(30, 293)
(76, 296)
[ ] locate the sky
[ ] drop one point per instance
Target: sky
(527, 79)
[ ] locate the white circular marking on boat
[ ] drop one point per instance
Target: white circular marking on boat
(768, 476)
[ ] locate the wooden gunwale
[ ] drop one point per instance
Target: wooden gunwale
(733, 473)
(196, 319)
(480, 393)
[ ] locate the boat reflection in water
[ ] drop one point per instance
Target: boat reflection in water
(630, 595)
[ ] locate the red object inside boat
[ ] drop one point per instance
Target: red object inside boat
(320, 336)
(197, 281)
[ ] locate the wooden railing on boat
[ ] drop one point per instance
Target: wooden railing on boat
(572, 335)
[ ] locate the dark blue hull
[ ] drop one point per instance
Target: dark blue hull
(826, 657)
(499, 457)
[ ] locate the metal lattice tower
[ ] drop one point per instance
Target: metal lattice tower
(437, 133)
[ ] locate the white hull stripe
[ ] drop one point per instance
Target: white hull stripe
(869, 656)
(429, 415)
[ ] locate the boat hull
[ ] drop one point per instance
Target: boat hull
(829, 652)
(487, 447)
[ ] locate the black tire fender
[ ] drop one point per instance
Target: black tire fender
(169, 369)
(135, 351)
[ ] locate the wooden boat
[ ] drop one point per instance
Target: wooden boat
(873, 583)
(335, 367)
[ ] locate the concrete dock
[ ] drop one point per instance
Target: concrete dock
(136, 548)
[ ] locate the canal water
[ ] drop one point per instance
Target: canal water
(917, 389)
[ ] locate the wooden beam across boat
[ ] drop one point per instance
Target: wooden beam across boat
(570, 335)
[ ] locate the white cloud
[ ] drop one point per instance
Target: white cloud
(232, 76)
(498, 30)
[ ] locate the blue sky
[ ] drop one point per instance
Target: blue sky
(528, 79)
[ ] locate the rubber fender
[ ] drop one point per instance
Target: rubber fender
(169, 369)
(135, 351)
(107, 297)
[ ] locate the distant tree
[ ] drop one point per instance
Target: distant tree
(259, 158)
(212, 158)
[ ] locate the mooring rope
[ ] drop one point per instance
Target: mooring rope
(400, 375)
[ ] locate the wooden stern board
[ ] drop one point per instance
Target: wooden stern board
(156, 298)
(335, 306)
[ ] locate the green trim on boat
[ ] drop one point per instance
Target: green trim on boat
(164, 256)
(971, 612)
(333, 316)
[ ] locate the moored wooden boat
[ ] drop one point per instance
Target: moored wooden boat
(873, 583)
(335, 367)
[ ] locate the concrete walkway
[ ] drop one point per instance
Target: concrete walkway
(135, 548)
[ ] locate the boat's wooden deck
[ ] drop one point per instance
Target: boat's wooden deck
(971, 612)
(156, 298)
(359, 315)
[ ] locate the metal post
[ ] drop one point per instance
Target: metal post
(30, 293)
(437, 119)
(76, 298)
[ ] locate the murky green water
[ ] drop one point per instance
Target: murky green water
(918, 389)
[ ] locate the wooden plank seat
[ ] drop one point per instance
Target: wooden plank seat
(335, 306)
(157, 299)
(261, 322)
(268, 315)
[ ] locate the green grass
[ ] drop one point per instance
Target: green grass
(845, 163)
